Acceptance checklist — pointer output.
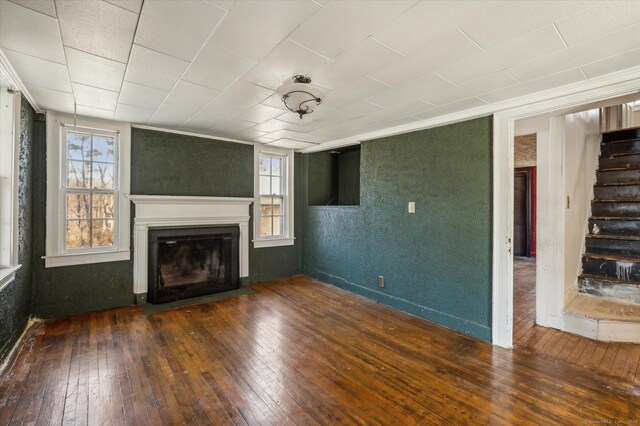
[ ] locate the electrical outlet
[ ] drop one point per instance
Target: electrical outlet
(412, 207)
(381, 281)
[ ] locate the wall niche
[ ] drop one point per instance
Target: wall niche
(334, 177)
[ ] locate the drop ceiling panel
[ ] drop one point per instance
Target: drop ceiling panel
(260, 113)
(30, 32)
(178, 29)
(43, 6)
(52, 99)
(598, 20)
(190, 97)
(253, 28)
(94, 70)
(450, 108)
(411, 90)
(401, 110)
(273, 125)
(95, 97)
(97, 27)
(242, 95)
(225, 4)
(133, 114)
(95, 112)
(154, 69)
(354, 91)
(289, 143)
(141, 96)
(285, 61)
(39, 72)
(478, 86)
(217, 68)
(341, 24)
(612, 64)
(132, 5)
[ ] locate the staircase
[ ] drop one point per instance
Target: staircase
(611, 263)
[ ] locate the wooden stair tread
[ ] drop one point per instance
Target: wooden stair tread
(615, 237)
(621, 130)
(614, 201)
(629, 218)
(611, 257)
(620, 141)
(617, 169)
(608, 185)
(603, 309)
(621, 154)
(608, 279)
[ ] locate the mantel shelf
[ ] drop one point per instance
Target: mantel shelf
(175, 199)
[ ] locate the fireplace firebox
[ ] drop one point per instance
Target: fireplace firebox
(187, 262)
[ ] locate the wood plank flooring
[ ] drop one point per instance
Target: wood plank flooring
(620, 361)
(295, 352)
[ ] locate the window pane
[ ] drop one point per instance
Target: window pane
(103, 233)
(265, 165)
(102, 206)
(278, 225)
(275, 186)
(265, 226)
(78, 206)
(78, 174)
(266, 210)
(277, 206)
(102, 176)
(276, 166)
(103, 148)
(264, 185)
(77, 234)
(78, 146)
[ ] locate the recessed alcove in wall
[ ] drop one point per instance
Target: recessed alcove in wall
(334, 177)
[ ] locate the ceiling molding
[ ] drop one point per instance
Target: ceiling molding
(12, 76)
(199, 135)
(598, 89)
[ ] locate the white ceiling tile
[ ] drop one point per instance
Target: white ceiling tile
(191, 97)
(471, 88)
(190, 23)
(538, 85)
(133, 114)
(97, 27)
(354, 110)
(225, 4)
(170, 116)
(430, 57)
(253, 28)
(260, 113)
(43, 6)
(341, 24)
(211, 114)
(241, 96)
(291, 144)
(141, 96)
(584, 53)
(512, 52)
(411, 90)
(154, 69)
(36, 71)
(132, 5)
(27, 31)
(285, 61)
(600, 19)
(459, 105)
(89, 111)
(248, 134)
(612, 64)
(94, 70)
(399, 111)
(288, 134)
(234, 125)
(95, 97)
(515, 18)
(275, 101)
(273, 125)
(366, 56)
(354, 91)
(217, 67)
(262, 139)
(52, 100)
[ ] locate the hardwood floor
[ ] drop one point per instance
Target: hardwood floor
(617, 360)
(295, 352)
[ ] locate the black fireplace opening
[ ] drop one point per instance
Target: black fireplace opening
(187, 262)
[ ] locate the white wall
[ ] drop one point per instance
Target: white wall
(582, 147)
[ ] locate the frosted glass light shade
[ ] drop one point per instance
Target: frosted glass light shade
(300, 97)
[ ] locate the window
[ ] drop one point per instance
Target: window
(87, 185)
(273, 206)
(9, 152)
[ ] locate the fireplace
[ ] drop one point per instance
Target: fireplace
(187, 262)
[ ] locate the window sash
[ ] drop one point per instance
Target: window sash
(270, 194)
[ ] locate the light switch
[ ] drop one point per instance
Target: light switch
(412, 206)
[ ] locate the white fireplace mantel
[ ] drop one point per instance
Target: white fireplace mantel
(154, 211)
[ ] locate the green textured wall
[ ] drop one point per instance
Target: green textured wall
(15, 297)
(161, 164)
(322, 181)
(349, 178)
(437, 262)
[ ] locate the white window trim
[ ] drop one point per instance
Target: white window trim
(288, 238)
(55, 254)
(10, 145)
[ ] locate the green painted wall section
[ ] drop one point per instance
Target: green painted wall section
(162, 164)
(349, 178)
(437, 262)
(15, 297)
(322, 181)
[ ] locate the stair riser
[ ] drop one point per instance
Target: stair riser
(626, 193)
(615, 209)
(611, 268)
(625, 161)
(618, 176)
(614, 291)
(614, 227)
(628, 248)
(621, 135)
(609, 149)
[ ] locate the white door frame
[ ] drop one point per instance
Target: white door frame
(591, 92)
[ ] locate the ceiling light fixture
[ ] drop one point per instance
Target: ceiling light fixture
(300, 96)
